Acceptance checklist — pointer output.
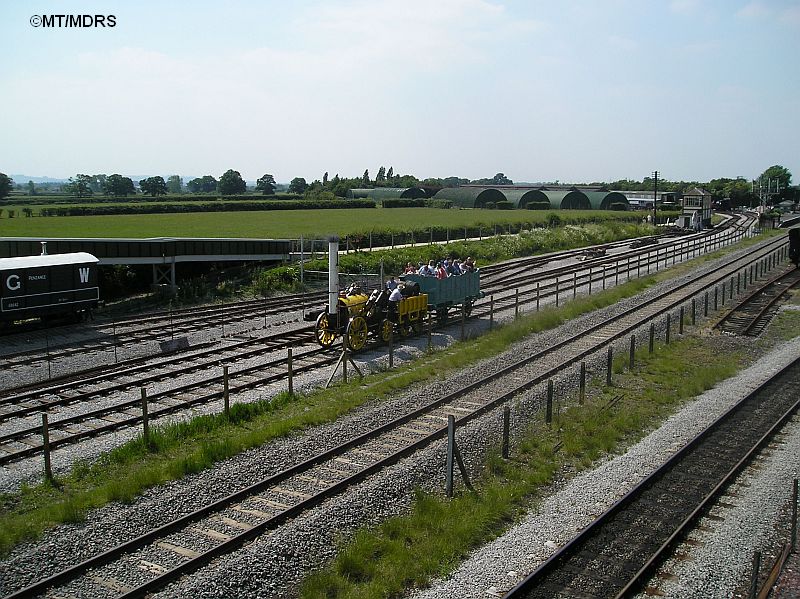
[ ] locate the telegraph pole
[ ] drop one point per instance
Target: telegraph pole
(655, 195)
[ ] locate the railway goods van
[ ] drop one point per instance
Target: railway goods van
(794, 246)
(47, 286)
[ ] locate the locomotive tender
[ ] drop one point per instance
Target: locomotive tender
(47, 286)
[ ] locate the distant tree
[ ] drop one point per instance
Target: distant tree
(155, 186)
(119, 186)
(206, 184)
(231, 183)
(390, 173)
(381, 176)
(266, 185)
(776, 178)
(325, 179)
(501, 179)
(5, 185)
(31, 188)
(80, 186)
(365, 178)
(298, 185)
(174, 184)
(98, 183)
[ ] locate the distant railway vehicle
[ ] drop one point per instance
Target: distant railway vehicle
(48, 286)
(359, 314)
(794, 246)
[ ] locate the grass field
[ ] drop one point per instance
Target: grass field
(280, 223)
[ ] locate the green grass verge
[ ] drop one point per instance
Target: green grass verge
(285, 224)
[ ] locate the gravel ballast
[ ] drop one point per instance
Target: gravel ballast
(272, 565)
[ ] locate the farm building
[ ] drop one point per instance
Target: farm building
(568, 200)
(607, 200)
(386, 193)
(470, 197)
(526, 198)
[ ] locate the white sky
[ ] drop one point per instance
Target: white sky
(573, 90)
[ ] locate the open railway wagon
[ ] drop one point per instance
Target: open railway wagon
(443, 294)
(48, 286)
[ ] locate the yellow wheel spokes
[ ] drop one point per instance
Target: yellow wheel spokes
(324, 335)
(386, 330)
(357, 332)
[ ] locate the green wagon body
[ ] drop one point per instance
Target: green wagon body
(452, 291)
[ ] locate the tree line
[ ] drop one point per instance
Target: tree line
(775, 181)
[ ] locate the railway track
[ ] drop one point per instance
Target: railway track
(26, 441)
(753, 312)
(617, 553)
(141, 565)
(167, 325)
(108, 336)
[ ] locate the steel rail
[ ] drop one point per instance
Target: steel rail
(581, 352)
(575, 545)
(210, 352)
(31, 450)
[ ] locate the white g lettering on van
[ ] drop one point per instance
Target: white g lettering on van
(12, 282)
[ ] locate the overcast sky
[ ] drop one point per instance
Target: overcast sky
(573, 90)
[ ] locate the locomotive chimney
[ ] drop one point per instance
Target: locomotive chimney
(44, 248)
(333, 273)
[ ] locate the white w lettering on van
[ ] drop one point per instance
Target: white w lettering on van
(84, 274)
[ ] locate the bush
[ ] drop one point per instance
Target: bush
(490, 205)
(282, 278)
(403, 203)
(538, 206)
(504, 205)
(444, 204)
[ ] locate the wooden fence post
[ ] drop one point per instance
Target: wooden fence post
(290, 368)
(145, 423)
(226, 403)
(506, 429)
(48, 468)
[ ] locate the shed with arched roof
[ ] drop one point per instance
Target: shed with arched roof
(607, 200)
(568, 200)
(522, 198)
(386, 193)
(470, 197)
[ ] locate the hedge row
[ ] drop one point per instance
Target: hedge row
(139, 198)
(383, 238)
(206, 207)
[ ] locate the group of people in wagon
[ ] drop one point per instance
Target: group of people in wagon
(442, 269)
